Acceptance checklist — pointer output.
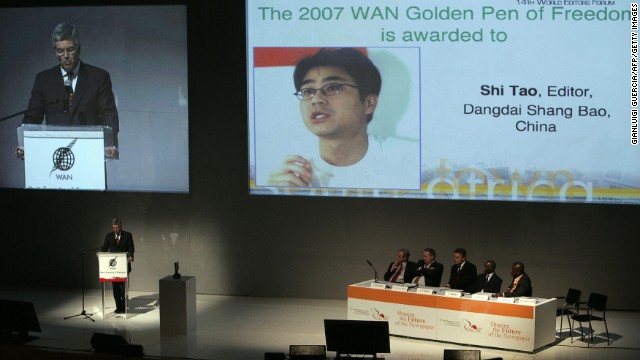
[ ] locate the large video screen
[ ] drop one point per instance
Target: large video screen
(131, 77)
(512, 100)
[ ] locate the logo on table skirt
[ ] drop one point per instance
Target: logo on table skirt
(469, 326)
(376, 314)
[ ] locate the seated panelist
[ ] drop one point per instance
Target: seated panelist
(521, 283)
(429, 270)
(401, 270)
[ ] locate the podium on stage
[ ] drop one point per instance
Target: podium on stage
(113, 267)
(65, 157)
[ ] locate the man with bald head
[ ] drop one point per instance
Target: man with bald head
(521, 284)
(488, 281)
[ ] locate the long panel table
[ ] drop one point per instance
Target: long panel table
(515, 326)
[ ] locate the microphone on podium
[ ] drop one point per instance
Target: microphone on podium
(375, 273)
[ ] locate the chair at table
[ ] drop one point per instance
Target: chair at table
(597, 302)
(571, 307)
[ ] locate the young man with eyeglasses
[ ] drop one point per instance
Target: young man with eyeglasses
(339, 91)
(73, 92)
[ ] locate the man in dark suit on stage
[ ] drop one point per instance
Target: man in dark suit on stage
(119, 241)
(401, 270)
(488, 281)
(73, 93)
(429, 270)
(463, 272)
(521, 284)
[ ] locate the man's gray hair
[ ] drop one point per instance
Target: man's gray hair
(116, 221)
(65, 31)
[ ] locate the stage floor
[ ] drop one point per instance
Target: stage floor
(233, 327)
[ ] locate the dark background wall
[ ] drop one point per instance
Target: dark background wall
(238, 244)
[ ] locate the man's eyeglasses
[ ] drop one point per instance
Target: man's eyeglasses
(327, 90)
(70, 51)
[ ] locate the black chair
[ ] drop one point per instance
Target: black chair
(596, 302)
(571, 307)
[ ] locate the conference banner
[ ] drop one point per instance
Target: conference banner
(404, 320)
(509, 100)
(459, 320)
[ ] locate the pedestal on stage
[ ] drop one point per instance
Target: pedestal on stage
(177, 305)
(65, 157)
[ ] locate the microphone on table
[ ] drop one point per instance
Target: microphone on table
(375, 273)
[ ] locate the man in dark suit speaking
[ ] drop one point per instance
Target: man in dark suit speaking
(119, 241)
(72, 93)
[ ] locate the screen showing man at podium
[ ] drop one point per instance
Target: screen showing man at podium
(86, 97)
(122, 69)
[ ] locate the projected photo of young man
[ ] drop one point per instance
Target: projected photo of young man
(339, 91)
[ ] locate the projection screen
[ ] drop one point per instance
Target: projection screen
(144, 50)
(511, 100)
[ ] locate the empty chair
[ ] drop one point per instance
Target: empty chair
(596, 302)
(571, 307)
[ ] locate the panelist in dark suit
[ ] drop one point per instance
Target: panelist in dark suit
(521, 284)
(463, 272)
(429, 270)
(488, 281)
(401, 270)
(119, 241)
(83, 91)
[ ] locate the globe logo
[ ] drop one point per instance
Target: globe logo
(63, 159)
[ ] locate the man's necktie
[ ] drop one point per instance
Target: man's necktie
(398, 271)
(515, 284)
(69, 87)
